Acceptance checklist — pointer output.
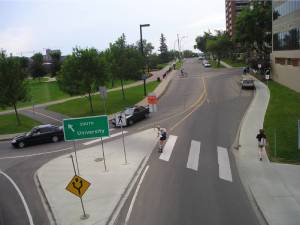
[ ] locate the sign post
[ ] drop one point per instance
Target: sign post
(298, 134)
(86, 128)
(103, 94)
(121, 121)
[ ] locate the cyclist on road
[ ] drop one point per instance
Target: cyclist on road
(162, 134)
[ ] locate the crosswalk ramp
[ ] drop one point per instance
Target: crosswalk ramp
(194, 157)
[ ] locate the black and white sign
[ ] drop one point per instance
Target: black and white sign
(120, 120)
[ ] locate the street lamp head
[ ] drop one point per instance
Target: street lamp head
(145, 25)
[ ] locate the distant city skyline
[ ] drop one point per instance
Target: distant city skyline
(30, 26)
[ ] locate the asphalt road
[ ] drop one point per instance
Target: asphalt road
(171, 193)
(214, 123)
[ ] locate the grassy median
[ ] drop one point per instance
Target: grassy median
(281, 122)
(80, 107)
(9, 124)
(214, 64)
(235, 63)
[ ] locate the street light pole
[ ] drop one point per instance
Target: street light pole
(142, 51)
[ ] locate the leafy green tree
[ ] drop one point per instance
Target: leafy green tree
(37, 69)
(12, 83)
(201, 41)
(189, 54)
(147, 47)
(126, 61)
(219, 45)
(254, 28)
(82, 73)
(55, 61)
(163, 48)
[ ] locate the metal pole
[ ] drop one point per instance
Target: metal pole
(103, 154)
(104, 105)
(74, 145)
(124, 144)
(84, 216)
(142, 51)
(71, 156)
(275, 142)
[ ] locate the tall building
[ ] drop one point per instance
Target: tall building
(286, 43)
(233, 8)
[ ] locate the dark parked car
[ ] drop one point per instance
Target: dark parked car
(134, 114)
(38, 135)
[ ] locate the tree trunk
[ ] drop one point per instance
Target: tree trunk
(112, 83)
(123, 93)
(219, 62)
(91, 104)
(17, 115)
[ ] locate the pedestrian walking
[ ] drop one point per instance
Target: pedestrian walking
(162, 134)
(261, 138)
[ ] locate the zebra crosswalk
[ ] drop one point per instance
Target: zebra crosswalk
(194, 157)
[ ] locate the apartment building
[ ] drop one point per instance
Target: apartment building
(233, 8)
(285, 55)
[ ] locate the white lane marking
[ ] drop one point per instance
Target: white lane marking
(99, 140)
(21, 196)
(194, 154)
(135, 195)
(168, 148)
(41, 114)
(224, 164)
(36, 154)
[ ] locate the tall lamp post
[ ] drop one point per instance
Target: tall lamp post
(142, 50)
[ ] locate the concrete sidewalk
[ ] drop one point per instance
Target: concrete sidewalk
(108, 189)
(275, 187)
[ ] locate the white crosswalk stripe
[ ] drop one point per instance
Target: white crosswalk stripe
(99, 140)
(194, 154)
(168, 148)
(224, 164)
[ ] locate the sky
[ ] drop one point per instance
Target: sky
(28, 26)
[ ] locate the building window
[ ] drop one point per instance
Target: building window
(289, 61)
(286, 8)
(295, 62)
(287, 40)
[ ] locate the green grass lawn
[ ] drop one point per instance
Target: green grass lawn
(178, 64)
(235, 63)
(80, 107)
(281, 118)
(41, 91)
(9, 124)
(214, 64)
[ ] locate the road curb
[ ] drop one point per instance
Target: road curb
(44, 199)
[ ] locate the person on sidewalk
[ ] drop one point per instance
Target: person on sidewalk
(261, 138)
(162, 134)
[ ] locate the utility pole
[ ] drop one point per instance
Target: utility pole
(142, 51)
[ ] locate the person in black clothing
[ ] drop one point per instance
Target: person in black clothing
(261, 138)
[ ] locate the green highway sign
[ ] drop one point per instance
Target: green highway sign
(86, 128)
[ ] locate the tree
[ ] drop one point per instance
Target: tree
(126, 61)
(253, 29)
(201, 41)
(163, 48)
(219, 45)
(55, 61)
(82, 73)
(37, 69)
(12, 83)
(189, 54)
(147, 47)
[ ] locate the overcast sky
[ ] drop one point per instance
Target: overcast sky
(33, 25)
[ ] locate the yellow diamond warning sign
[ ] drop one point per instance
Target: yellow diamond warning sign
(78, 186)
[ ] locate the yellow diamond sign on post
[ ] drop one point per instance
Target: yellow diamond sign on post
(78, 186)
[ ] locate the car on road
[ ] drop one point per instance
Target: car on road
(247, 82)
(38, 135)
(133, 115)
(207, 64)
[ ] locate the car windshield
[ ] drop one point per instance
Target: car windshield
(129, 111)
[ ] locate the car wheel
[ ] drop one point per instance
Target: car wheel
(55, 139)
(146, 115)
(130, 122)
(21, 144)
